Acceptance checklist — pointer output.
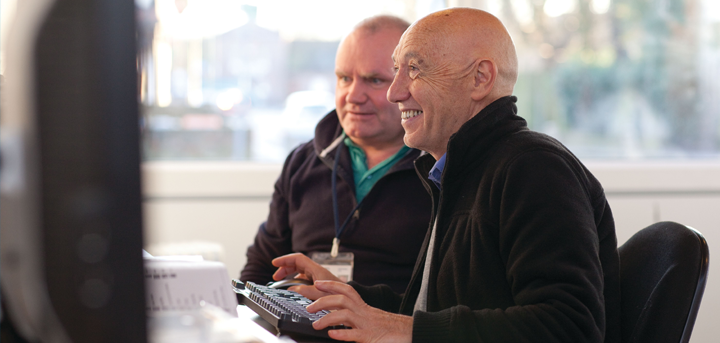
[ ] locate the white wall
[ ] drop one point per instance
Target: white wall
(224, 202)
(220, 202)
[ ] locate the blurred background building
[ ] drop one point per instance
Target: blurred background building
(609, 78)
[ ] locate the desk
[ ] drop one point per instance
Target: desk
(211, 324)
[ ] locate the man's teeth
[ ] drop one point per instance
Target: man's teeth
(410, 114)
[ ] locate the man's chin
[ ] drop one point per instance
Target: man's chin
(411, 142)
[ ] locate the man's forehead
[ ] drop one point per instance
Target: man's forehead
(415, 44)
(364, 67)
(406, 48)
(368, 53)
(405, 55)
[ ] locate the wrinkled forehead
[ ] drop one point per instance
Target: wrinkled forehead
(417, 43)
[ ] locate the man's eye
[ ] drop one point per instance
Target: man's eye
(344, 79)
(413, 72)
(376, 81)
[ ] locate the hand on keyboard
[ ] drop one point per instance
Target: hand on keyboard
(298, 263)
(284, 309)
(368, 324)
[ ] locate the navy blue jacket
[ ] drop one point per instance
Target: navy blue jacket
(385, 234)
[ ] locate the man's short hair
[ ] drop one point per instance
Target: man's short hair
(376, 23)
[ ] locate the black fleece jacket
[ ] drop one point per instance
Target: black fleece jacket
(525, 247)
(385, 234)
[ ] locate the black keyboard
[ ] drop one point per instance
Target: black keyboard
(282, 308)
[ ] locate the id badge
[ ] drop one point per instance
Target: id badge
(341, 265)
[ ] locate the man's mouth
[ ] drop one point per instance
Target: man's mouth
(410, 114)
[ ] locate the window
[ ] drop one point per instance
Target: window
(620, 78)
(248, 80)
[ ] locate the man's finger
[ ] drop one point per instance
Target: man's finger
(339, 317)
(283, 272)
(309, 292)
(339, 288)
(351, 335)
(331, 302)
(289, 260)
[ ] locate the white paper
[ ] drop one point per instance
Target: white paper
(173, 285)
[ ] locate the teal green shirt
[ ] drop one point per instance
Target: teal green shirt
(365, 179)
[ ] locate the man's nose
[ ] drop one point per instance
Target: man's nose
(398, 90)
(356, 93)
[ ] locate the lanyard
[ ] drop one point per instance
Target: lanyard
(338, 229)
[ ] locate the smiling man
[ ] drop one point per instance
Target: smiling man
(377, 209)
(522, 245)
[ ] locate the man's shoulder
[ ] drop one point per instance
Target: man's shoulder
(536, 152)
(529, 150)
(299, 157)
(527, 142)
(305, 149)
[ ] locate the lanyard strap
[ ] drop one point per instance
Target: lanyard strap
(336, 212)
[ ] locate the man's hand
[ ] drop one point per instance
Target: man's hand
(368, 323)
(308, 269)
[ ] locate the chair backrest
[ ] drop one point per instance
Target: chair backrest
(663, 271)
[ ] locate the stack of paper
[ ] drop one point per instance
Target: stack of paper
(182, 283)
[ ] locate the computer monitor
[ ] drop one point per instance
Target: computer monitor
(71, 267)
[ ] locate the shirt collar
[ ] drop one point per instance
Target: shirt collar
(436, 171)
(365, 179)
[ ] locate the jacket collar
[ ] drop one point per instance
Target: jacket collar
(472, 142)
(328, 134)
(327, 131)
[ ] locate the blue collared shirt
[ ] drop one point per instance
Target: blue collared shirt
(436, 171)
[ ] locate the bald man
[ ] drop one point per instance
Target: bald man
(522, 245)
(382, 207)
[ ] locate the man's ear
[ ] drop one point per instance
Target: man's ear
(485, 75)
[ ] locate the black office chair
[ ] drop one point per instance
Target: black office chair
(663, 271)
